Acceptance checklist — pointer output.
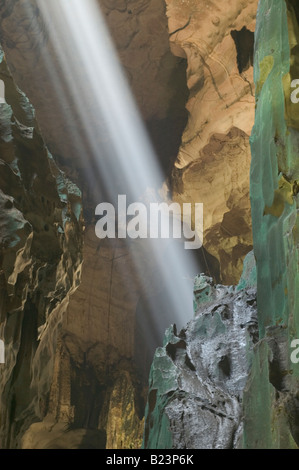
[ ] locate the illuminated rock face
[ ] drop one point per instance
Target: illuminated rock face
(271, 402)
(215, 45)
(40, 258)
(94, 355)
(270, 410)
(214, 157)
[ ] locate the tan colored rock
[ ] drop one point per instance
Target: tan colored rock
(214, 158)
(91, 381)
(49, 435)
(120, 418)
(140, 34)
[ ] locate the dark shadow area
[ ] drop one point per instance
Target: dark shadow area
(295, 5)
(166, 134)
(244, 41)
(19, 388)
(87, 397)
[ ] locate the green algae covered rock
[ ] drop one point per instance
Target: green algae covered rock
(271, 406)
(198, 377)
(248, 278)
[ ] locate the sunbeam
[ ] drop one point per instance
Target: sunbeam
(120, 150)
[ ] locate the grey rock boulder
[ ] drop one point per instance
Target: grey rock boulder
(198, 377)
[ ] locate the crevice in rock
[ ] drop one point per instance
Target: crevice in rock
(87, 397)
(181, 28)
(278, 360)
(172, 348)
(189, 364)
(244, 41)
(166, 134)
(225, 366)
(152, 400)
(224, 311)
(21, 377)
(212, 77)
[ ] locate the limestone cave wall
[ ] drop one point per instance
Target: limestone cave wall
(41, 256)
(70, 301)
(266, 385)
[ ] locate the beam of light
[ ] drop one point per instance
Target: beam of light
(112, 139)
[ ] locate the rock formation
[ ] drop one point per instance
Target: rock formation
(198, 378)
(216, 50)
(41, 255)
(214, 157)
(156, 76)
(268, 401)
(70, 376)
(97, 341)
(271, 401)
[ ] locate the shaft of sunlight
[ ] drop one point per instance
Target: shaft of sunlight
(116, 136)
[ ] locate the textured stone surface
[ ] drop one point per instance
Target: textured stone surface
(197, 379)
(89, 408)
(67, 366)
(214, 158)
(271, 399)
(215, 44)
(103, 340)
(95, 398)
(40, 262)
(95, 386)
(98, 326)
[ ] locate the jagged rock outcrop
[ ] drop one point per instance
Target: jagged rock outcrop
(40, 262)
(197, 379)
(270, 400)
(214, 157)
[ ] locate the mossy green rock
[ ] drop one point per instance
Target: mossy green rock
(198, 377)
(270, 400)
